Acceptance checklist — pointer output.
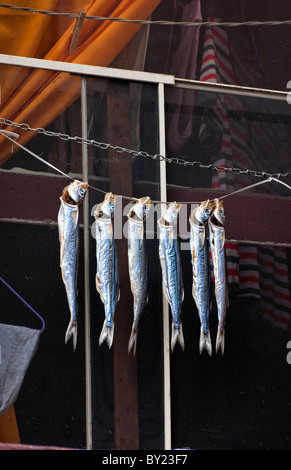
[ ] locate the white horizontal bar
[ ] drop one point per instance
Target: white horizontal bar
(89, 70)
(135, 75)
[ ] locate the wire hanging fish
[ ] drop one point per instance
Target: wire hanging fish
(137, 263)
(217, 240)
(68, 217)
(201, 270)
(171, 270)
(107, 282)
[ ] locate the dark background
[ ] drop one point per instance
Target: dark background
(240, 401)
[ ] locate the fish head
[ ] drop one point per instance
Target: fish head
(205, 210)
(142, 207)
(77, 191)
(107, 206)
(219, 211)
(110, 201)
(172, 213)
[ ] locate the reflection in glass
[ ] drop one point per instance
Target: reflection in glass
(48, 100)
(241, 132)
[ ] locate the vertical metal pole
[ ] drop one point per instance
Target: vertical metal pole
(166, 338)
(86, 269)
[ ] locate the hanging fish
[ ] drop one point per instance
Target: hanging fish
(171, 270)
(137, 263)
(217, 240)
(68, 217)
(200, 269)
(107, 283)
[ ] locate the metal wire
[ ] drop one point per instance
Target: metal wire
(138, 153)
(131, 198)
(150, 22)
(4, 133)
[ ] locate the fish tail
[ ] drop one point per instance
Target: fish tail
(107, 334)
(177, 335)
(205, 341)
(132, 339)
(71, 332)
(220, 339)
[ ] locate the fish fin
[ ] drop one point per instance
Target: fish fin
(220, 340)
(106, 334)
(205, 342)
(72, 331)
(132, 339)
(177, 334)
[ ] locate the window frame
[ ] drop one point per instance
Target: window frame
(166, 193)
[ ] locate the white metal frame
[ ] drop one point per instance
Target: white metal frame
(143, 77)
(86, 237)
(86, 70)
(165, 305)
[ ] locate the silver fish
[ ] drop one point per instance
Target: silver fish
(200, 269)
(107, 282)
(137, 263)
(217, 240)
(68, 218)
(171, 270)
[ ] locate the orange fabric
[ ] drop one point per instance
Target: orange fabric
(16, 38)
(8, 427)
(37, 97)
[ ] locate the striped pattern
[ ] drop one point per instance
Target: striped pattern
(259, 143)
(249, 276)
(276, 295)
